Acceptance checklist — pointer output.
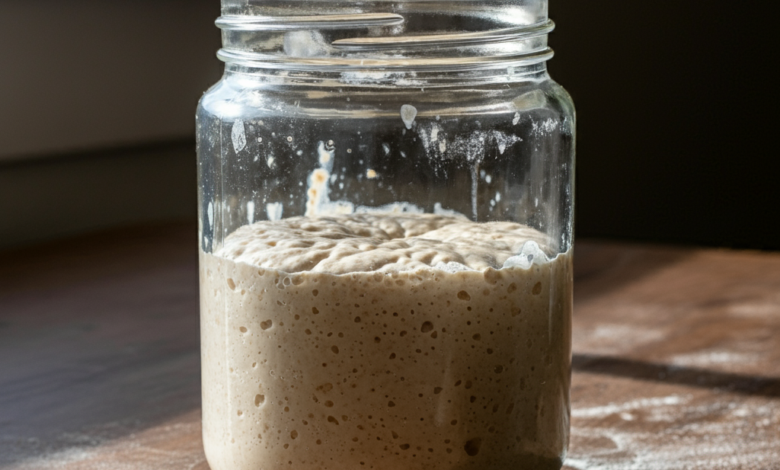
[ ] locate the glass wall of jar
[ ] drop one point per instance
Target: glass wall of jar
(386, 209)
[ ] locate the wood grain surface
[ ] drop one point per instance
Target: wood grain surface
(676, 356)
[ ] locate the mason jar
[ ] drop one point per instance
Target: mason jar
(386, 234)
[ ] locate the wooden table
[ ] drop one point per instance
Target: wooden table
(676, 356)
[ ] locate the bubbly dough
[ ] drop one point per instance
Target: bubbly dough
(337, 343)
(376, 243)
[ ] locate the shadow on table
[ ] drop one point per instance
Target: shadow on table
(689, 376)
(601, 267)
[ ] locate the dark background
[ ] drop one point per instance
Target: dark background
(676, 109)
(677, 117)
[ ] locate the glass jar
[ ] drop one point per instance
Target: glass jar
(386, 223)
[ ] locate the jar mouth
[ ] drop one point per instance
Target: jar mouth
(380, 40)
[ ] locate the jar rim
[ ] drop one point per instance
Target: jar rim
(331, 43)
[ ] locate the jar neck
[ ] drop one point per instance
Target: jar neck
(248, 75)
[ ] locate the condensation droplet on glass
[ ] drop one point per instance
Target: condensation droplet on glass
(250, 211)
(238, 135)
(274, 211)
(408, 113)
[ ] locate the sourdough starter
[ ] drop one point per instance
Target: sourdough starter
(386, 342)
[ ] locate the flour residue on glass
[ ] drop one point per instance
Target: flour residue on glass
(440, 143)
(548, 126)
(317, 196)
